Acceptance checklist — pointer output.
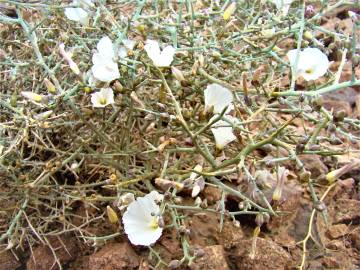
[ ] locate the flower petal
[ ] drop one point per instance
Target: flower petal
(123, 52)
(138, 236)
(223, 133)
(129, 44)
(95, 100)
(106, 72)
(152, 49)
(105, 48)
(77, 14)
(312, 63)
(166, 57)
(283, 5)
(108, 94)
(218, 97)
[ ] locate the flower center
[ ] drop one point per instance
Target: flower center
(309, 71)
(154, 223)
(102, 101)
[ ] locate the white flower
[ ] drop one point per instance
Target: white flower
(218, 97)
(223, 133)
(160, 58)
(102, 98)
(128, 46)
(284, 5)
(141, 220)
(312, 63)
(104, 67)
(78, 14)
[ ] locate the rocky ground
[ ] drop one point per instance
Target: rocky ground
(334, 242)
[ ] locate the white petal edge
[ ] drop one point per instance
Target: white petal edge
(77, 14)
(106, 72)
(223, 133)
(219, 97)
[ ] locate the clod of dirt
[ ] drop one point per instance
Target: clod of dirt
(337, 105)
(8, 261)
(212, 194)
(347, 94)
(289, 205)
(337, 231)
(355, 238)
(269, 255)
(330, 262)
(43, 258)
(214, 259)
(314, 164)
(346, 211)
(114, 256)
(205, 231)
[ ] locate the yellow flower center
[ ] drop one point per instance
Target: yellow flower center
(102, 101)
(309, 71)
(154, 223)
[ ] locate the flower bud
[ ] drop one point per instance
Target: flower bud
(216, 54)
(259, 219)
(74, 67)
(201, 60)
(165, 184)
(199, 253)
(43, 115)
(308, 35)
(112, 216)
(13, 100)
(305, 176)
(204, 204)
(177, 73)
(339, 116)
(334, 175)
(229, 11)
(268, 33)
(118, 87)
(32, 96)
(50, 86)
(174, 264)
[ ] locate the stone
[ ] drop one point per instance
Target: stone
(330, 262)
(268, 255)
(346, 211)
(213, 259)
(337, 105)
(337, 231)
(314, 164)
(212, 194)
(8, 260)
(355, 238)
(43, 259)
(114, 256)
(347, 94)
